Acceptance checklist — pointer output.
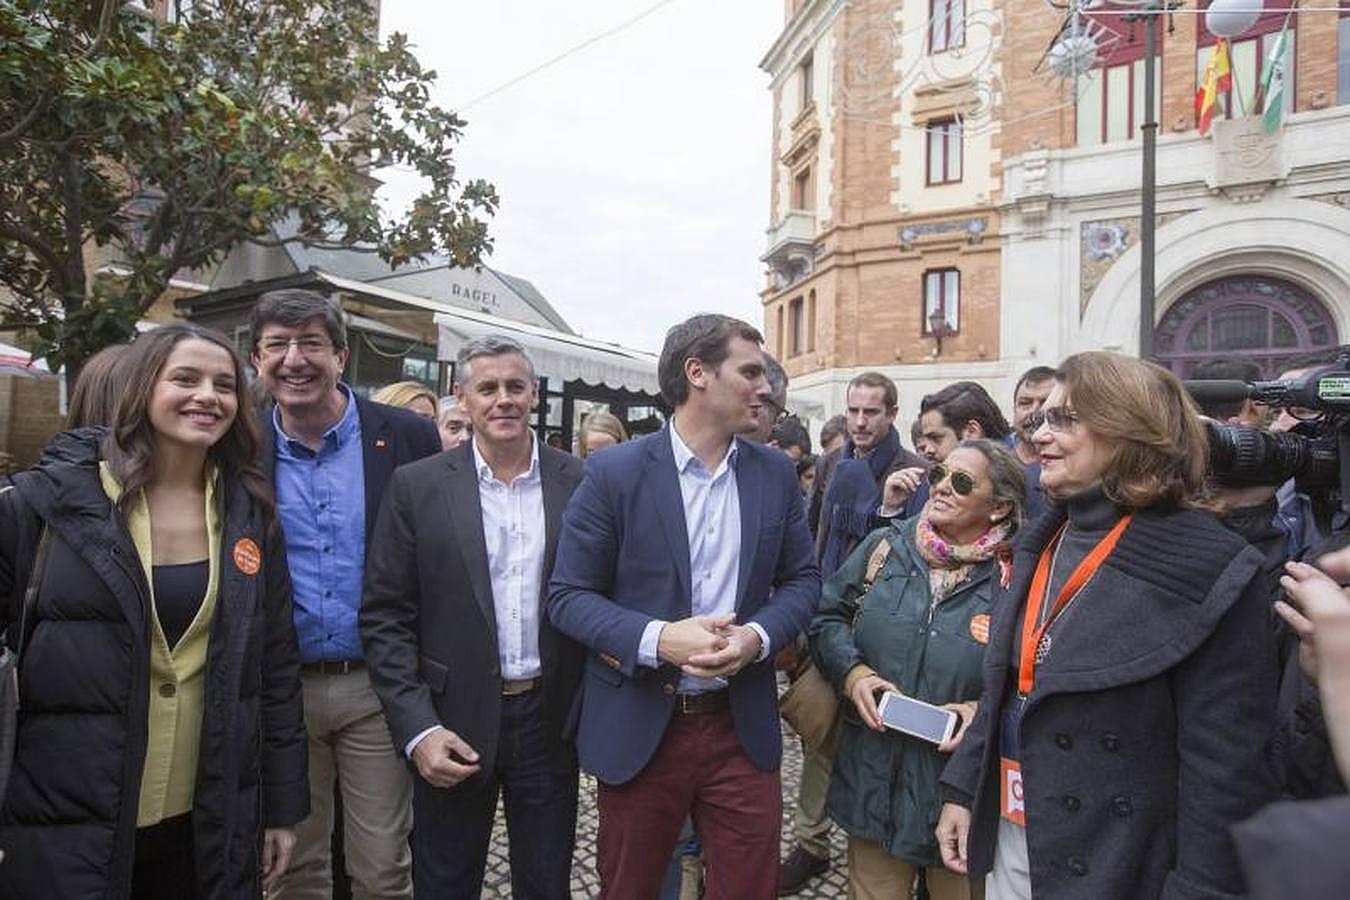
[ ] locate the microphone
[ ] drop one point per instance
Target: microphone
(1218, 390)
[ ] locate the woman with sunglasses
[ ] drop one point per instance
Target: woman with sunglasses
(1129, 685)
(920, 629)
(161, 749)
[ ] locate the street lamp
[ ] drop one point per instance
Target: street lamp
(1150, 11)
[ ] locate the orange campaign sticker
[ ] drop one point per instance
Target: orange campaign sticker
(979, 628)
(247, 556)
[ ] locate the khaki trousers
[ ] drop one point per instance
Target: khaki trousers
(349, 742)
(873, 874)
(811, 821)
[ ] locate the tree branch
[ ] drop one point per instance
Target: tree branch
(21, 127)
(33, 241)
(73, 221)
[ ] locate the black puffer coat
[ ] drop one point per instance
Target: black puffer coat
(68, 822)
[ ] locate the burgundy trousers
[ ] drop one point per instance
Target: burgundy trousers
(699, 771)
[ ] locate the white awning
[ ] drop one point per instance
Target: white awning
(556, 355)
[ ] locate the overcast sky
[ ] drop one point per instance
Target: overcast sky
(634, 175)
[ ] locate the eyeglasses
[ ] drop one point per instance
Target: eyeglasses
(308, 346)
(962, 482)
(780, 414)
(1059, 418)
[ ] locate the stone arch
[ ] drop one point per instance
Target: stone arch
(1299, 241)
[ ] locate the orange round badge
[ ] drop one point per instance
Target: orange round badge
(247, 556)
(979, 628)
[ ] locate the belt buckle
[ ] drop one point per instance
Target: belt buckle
(689, 703)
(518, 686)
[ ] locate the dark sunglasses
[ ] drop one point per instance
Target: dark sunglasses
(962, 482)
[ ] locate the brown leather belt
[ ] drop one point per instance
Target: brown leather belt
(698, 704)
(333, 666)
(511, 688)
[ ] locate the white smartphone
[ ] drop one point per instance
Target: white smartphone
(916, 718)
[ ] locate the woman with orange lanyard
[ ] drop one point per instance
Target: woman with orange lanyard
(1129, 682)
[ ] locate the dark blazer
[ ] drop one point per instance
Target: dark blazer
(825, 466)
(390, 437)
(68, 824)
(428, 623)
(1144, 737)
(623, 560)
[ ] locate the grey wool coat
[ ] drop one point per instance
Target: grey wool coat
(1143, 738)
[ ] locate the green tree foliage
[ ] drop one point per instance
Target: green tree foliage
(163, 143)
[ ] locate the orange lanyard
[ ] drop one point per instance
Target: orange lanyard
(1031, 631)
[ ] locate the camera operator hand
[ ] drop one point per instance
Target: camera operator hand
(1318, 610)
(1322, 623)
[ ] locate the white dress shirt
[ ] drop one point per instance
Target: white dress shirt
(513, 530)
(712, 521)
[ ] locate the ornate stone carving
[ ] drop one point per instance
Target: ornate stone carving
(973, 229)
(1247, 161)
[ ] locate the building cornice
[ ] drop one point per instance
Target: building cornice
(799, 34)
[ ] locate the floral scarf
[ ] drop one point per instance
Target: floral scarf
(950, 564)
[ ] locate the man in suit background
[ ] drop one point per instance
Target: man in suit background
(475, 683)
(330, 454)
(684, 564)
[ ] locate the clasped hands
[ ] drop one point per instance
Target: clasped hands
(708, 646)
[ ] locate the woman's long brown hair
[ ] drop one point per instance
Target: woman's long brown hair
(129, 446)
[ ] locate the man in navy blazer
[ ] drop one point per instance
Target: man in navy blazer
(329, 455)
(683, 565)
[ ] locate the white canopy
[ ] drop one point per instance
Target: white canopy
(556, 354)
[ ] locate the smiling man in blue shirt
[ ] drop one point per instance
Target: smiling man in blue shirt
(330, 454)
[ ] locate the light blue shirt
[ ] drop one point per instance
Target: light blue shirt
(712, 521)
(321, 500)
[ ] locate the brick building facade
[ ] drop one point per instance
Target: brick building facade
(930, 174)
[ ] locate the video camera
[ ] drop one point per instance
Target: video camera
(1316, 453)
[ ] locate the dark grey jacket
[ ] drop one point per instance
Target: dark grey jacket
(428, 621)
(1143, 739)
(68, 823)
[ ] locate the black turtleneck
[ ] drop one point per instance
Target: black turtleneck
(1091, 516)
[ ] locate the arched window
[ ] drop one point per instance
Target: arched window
(1253, 317)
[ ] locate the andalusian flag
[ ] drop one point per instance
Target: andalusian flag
(1272, 81)
(1218, 80)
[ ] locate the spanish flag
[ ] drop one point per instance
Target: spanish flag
(1218, 80)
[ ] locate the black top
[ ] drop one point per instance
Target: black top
(179, 592)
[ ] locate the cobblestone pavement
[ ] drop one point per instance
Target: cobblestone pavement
(585, 882)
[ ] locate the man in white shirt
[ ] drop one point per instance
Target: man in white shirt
(476, 685)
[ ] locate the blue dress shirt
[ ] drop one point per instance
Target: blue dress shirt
(322, 506)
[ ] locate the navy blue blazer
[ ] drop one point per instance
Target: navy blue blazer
(390, 437)
(623, 560)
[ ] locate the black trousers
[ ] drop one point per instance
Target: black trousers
(452, 827)
(165, 868)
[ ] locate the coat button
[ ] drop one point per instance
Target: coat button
(1110, 743)
(1063, 741)
(1072, 803)
(668, 689)
(1121, 806)
(167, 690)
(1077, 866)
